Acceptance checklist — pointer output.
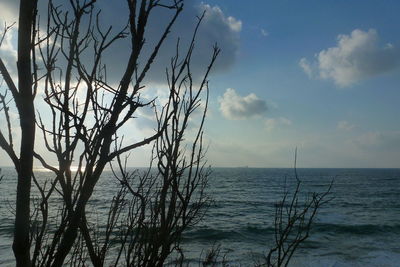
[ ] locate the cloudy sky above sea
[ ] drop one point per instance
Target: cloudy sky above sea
(322, 76)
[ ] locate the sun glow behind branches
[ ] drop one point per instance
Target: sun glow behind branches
(71, 168)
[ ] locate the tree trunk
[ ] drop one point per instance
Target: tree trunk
(26, 111)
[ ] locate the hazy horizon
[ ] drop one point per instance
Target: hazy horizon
(41, 168)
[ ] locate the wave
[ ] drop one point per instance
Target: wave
(207, 234)
(356, 229)
(249, 232)
(257, 232)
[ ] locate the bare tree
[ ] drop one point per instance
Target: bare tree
(85, 131)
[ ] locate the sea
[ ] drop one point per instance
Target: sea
(359, 226)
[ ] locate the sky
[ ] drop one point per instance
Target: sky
(322, 76)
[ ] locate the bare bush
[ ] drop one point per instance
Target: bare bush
(293, 221)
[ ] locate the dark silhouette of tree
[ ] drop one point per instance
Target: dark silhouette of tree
(152, 209)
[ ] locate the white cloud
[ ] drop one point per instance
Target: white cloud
(234, 24)
(305, 65)
(355, 57)
(236, 107)
(264, 32)
(345, 125)
(273, 123)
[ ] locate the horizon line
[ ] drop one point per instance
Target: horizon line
(241, 167)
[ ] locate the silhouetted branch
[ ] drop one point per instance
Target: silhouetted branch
(293, 222)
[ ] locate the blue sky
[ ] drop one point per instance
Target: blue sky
(333, 125)
(322, 76)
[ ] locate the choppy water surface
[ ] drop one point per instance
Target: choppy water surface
(359, 227)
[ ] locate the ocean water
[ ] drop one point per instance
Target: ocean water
(360, 226)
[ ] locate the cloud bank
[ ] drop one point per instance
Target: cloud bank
(236, 107)
(216, 28)
(356, 57)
